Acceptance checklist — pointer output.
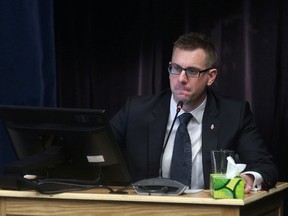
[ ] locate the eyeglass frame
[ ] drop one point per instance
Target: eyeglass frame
(185, 70)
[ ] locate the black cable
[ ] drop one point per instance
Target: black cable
(54, 186)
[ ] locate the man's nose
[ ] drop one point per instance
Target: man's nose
(183, 77)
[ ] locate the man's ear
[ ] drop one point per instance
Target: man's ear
(212, 76)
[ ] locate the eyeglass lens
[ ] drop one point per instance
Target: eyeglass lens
(176, 69)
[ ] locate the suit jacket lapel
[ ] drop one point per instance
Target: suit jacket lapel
(156, 132)
(210, 130)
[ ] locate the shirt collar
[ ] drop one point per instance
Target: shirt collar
(197, 112)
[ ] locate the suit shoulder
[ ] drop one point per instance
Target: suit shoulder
(229, 100)
(227, 105)
(150, 98)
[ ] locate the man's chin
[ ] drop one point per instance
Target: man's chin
(181, 98)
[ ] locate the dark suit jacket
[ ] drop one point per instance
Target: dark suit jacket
(141, 124)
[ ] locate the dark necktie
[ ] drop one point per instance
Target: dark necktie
(181, 164)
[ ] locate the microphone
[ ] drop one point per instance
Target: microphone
(178, 108)
(160, 185)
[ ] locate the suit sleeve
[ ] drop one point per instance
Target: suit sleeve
(252, 150)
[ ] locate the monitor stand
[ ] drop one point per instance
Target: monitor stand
(35, 164)
(47, 168)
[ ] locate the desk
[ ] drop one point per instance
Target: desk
(98, 201)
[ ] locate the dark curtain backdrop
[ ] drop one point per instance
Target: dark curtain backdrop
(107, 53)
(122, 48)
(27, 59)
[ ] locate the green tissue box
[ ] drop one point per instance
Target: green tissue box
(225, 188)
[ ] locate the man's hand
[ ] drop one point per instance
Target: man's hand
(248, 184)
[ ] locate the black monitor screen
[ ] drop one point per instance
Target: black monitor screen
(64, 143)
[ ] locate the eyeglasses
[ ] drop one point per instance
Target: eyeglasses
(190, 72)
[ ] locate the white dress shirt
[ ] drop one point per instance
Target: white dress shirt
(195, 132)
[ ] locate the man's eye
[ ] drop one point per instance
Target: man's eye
(191, 70)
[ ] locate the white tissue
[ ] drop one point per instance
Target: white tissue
(233, 169)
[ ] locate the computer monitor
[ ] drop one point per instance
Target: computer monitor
(64, 143)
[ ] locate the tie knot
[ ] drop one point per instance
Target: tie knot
(185, 118)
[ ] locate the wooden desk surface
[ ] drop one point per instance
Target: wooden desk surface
(101, 202)
(203, 197)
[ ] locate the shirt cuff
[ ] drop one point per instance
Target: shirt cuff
(257, 184)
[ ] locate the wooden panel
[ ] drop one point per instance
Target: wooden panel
(72, 207)
(270, 206)
(2, 206)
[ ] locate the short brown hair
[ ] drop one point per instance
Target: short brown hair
(192, 41)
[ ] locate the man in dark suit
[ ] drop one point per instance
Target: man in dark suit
(143, 124)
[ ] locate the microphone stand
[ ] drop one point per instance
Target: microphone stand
(160, 185)
(179, 107)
